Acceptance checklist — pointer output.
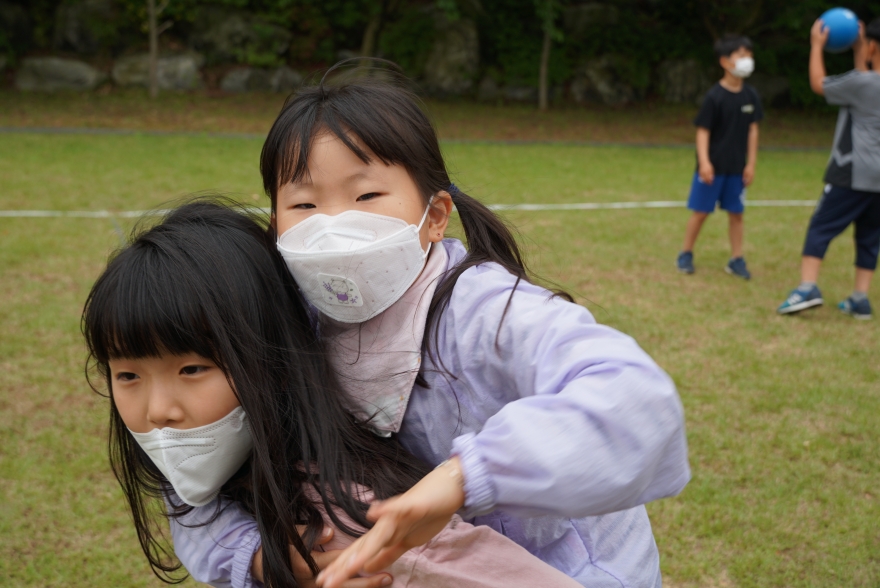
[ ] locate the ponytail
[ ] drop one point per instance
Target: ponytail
(489, 240)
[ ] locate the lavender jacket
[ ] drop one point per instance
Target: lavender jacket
(565, 429)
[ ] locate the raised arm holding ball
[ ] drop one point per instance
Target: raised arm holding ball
(852, 178)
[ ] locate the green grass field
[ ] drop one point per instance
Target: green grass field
(781, 412)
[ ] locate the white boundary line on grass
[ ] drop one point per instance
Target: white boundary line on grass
(501, 207)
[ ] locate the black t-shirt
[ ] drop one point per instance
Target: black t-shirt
(728, 116)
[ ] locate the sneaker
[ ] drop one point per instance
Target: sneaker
(737, 267)
(685, 262)
(860, 310)
(799, 300)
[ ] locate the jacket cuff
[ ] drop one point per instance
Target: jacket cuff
(241, 562)
(479, 491)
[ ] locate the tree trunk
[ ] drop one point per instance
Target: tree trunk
(153, 18)
(368, 45)
(370, 42)
(543, 90)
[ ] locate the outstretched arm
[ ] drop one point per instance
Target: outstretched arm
(818, 38)
(590, 424)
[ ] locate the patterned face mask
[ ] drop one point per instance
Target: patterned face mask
(354, 265)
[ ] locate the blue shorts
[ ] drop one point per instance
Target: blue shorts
(726, 189)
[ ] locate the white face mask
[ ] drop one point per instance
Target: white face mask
(197, 462)
(354, 265)
(743, 67)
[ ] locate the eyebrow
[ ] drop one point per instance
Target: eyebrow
(362, 175)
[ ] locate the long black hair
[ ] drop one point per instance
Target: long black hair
(387, 119)
(208, 280)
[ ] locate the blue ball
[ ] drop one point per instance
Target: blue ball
(843, 29)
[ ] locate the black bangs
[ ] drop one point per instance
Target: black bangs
(179, 287)
(370, 117)
(147, 304)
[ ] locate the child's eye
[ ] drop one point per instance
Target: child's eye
(369, 196)
(303, 206)
(192, 370)
(126, 376)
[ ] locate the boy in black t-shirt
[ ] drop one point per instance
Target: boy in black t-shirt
(727, 149)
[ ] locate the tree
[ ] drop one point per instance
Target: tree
(153, 14)
(726, 16)
(547, 12)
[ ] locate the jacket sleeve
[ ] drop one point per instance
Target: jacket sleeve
(219, 552)
(588, 423)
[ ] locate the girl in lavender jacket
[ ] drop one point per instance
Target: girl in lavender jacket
(548, 427)
(219, 387)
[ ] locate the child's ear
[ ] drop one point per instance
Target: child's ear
(438, 216)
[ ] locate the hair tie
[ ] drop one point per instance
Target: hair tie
(453, 190)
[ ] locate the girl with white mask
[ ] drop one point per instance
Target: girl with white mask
(543, 425)
(220, 392)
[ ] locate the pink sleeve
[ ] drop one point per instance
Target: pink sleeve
(465, 556)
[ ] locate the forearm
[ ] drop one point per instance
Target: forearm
(752, 153)
(860, 56)
(603, 429)
(817, 69)
(589, 423)
(703, 146)
(591, 450)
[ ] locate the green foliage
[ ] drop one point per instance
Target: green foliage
(640, 34)
(408, 40)
(511, 37)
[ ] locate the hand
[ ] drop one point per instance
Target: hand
(303, 574)
(748, 175)
(819, 33)
(861, 40)
(707, 173)
(402, 522)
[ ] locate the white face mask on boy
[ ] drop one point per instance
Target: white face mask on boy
(743, 67)
(354, 265)
(197, 462)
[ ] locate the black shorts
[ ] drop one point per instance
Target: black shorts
(837, 208)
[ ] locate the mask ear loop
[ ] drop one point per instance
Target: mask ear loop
(424, 216)
(422, 222)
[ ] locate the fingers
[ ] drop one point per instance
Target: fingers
(325, 558)
(301, 570)
(385, 558)
(378, 508)
(326, 535)
(352, 560)
(819, 31)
